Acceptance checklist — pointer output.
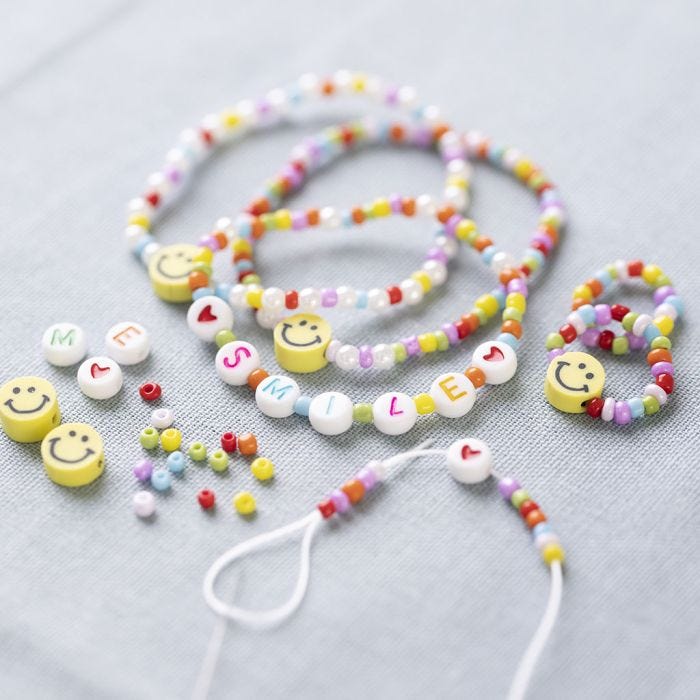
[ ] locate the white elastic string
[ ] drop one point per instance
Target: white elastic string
(527, 664)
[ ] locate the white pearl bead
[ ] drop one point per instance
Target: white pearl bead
(212, 124)
(128, 343)
(473, 139)
(273, 298)
(309, 84)
(268, 318)
(460, 168)
(432, 114)
(192, 144)
(394, 413)
(134, 234)
(347, 297)
(502, 260)
(159, 183)
(436, 271)
(144, 504)
(100, 377)
(347, 357)
(449, 245)
(377, 299)
(411, 291)
(454, 395)
(425, 205)
(379, 468)
(329, 217)
(162, 418)
(621, 267)
(277, 99)
(511, 156)
(237, 295)
(640, 325)
(374, 86)
(666, 310)
(276, 396)
(332, 349)
(138, 205)
(469, 461)
(247, 112)
(330, 413)
(208, 315)
(309, 299)
(407, 96)
(383, 356)
(64, 344)
(449, 139)
(179, 160)
(235, 361)
(457, 197)
(342, 79)
(496, 360)
(577, 322)
(225, 225)
(149, 250)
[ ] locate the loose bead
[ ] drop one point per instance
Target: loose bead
(176, 462)
(161, 480)
(244, 503)
(162, 418)
(149, 438)
(206, 499)
(170, 439)
(197, 452)
(247, 444)
(228, 442)
(262, 469)
(143, 470)
(218, 460)
(144, 504)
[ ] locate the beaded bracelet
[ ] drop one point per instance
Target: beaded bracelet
(469, 461)
(575, 380)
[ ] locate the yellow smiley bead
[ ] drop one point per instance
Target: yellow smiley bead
(73, 454)
(573, 379)
(28, 408)
(244, 503)
(300, 343)
(169, 270)
(171, 439)
(262, 469)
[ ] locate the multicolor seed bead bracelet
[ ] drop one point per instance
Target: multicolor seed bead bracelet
(575, 380)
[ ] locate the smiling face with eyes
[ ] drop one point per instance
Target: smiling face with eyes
(28, 408)
(573, 379)
(169, 269)
(301, 341)
(73, 454)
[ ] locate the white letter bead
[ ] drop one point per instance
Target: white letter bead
(469, 461)
(64, 344)
(100, 377)
(277, 395)
(453, 394)
(235, 361)
(209, 315)
(496, 360)
(128, 343)
(394, 413)
(330, 413)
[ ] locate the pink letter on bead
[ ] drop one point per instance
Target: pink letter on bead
(392, 407)
(241, 350)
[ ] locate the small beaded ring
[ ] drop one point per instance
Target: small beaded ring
(570, 389)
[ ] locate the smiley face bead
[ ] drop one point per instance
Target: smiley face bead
(73, 454)
(28, 408)
(572, 380)
(301, 342)
(169, 270)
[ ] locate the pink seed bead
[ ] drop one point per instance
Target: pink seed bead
(554, 353)
(507, 487)
(368, 477)
(590, 337)
(602, 314)
(340, 501)
(661, 367)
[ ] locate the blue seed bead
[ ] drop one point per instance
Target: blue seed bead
(534, 253)
(603, 276)
(587, 313)
(346, 219)
(488, 253)
(244, 228)
(223, 290)
(540, 529)
(500, 297)
(244, 265)
(142, 243)
(361, 302)
(301, 405)
(161, 480)
(651, 332)
(636, 407)
(677, 303)
(495, 154)
(176, 462)
(510, 339)
(202, 292)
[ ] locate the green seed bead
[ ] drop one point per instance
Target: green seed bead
(252, 279)
(472, 236)
(368, 211)
(218, 461)
(651, 405)
(510, 313)
(276, 189)
(400, 353)
(362, 412)
(536, 180)
(628, 321)
(202, 267)
(224, 336)
(482, 316)
(611, 270)
(662, 281)
(554, 341)
(197, 452)
(620, 345)
(519, 497)
(532, 263)
(443, 342)
(661, 341)
(149, 438)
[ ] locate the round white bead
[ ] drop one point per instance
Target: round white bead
(432, 114)
(469, 461)
(453, 394)
(377, 299)
(436, 271)
(411, 291)
(657, 392)
(209, 315)
(666, 310)
(332, 349)
(394, 413)
(407, 96)
(144, 503)
(268, 318)
(100, 377)
(577, 322)
(347, 357)
(138, 205)
(237, 296)
(309, 83)
(460, 167)
(501, 260)
(134, 234)
(457, 197)
(64, 344)
(276, 396)
(225, 225)
(159, 183)
(330, 413)
(449, 245)
(347, 297)
(128, 343)
(383, 356)
(496, 360)
(235, 361)
(425, 205)
(641, 323)
(622, 273)
(511, 156)
(162, 418)
(309, 299)
(329, 217)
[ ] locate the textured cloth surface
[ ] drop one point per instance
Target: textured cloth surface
(431, 589)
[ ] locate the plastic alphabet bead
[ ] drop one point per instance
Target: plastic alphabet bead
(262, 469)
(169, 270)
(469, 461)
(144, 504)
(143, 470)
(247, 444)
(161, 480)
(235, 361)
(276, 396)
(100, 378)
(162, 418)
(394, 413)
(496, 360)
(208, 315)
(453, 395)
(330, 413)
(573, 379)
(176, 462)
(171, 439)
(73, 454)
(150, 391)
(301, 342)
(206, 499)
(218, 460)
(244, 503)
(64, 344)
(197, 452)
(28, 408)
(228, 442)
(128, 343)
(149, 438)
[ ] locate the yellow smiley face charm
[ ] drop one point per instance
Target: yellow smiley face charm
(573, 379)
(28, 408)
(169, 270)
(73, 454)
(301, 342)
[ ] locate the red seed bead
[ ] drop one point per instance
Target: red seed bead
(259, 206)
(605, 340)
(354, 490)
(535, 517)
(207, 136)
(527, 507)
(228, 442)
(150, 391)
(595, 407)
(153, 198)
(394, 295)
(247, 444)
(327, 508)
(634, 269)
(291, 299)
(206, 499)
(568, 332)
(618, 311)
(665, 381)
(462, 329)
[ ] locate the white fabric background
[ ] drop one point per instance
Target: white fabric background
(431, 589)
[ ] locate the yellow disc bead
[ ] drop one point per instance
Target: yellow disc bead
(427, 342)
(465, 228)
(516, 300)
(424, 404)
(171, 439)
(283, 219)
(650, 273)
(253, 298)
(73, 454)
(488, 304)
(262, 469)
(204, 255)
(381, 207)
(583, 291)
(552, 552)
(139, 220)
(28, 408)
(424, 279)
(664, 324)
(244, 503)
(573, 379)
(169, 270)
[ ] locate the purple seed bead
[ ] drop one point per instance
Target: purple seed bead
(451, 225)
(368, 478)
(395, 203)
(555, 353)
(454, 153)
(366, 359)
(661, 293)
(299, 220)
(661, 368)
(263, 107)
(411, 345)
(546, 241)
(590, 337)
(517, 285)
(143, 470)
(602, 314)
(637, 342)
(437, 254)
(423, 137)
(391, 95)
(329, 298)
(507, 487)
(451, 332)
(622, 415)
(173, 174)
(340, 501)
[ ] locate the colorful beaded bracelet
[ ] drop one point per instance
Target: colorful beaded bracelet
(575, 380)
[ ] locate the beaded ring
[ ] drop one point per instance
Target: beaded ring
(575, 380)
(469, 461)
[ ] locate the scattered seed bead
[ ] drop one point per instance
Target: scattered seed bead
(161, 480)
(143, 470)
(144, 504)
(162, 418)
(247, 444)
(244, 503)
(218, 460)
(228, 442)
(197, 452)
(206, 498)
(149, 438)
(150, 391)
(171, 439)
(262, 468)
(176, 462)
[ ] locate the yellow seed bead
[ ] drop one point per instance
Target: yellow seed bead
(262, 469)
(424, 404)
(171, 439)
(650, 273)
(424, 279)
(583, 291)
(240, 245)
(488, 304)
(231, 119)
(523, 169)
(244, 503)
(359, 82)
(464, 228)
(253, 298)
(552, 552)
(427, 342)
(283, 219)
(204, 255)
(516, 300)
(457, 181)
(139, 220)
(664, 324)
(381, 207)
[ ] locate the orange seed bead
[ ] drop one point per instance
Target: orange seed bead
(595, 286)
(255, 377)
(481, 242)
(247, 444)
(535, 517)
(659, 355)
(475, 376)
(444, 213)
(512, 327)
(408, 206)
(354, 490)
(197, 279)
